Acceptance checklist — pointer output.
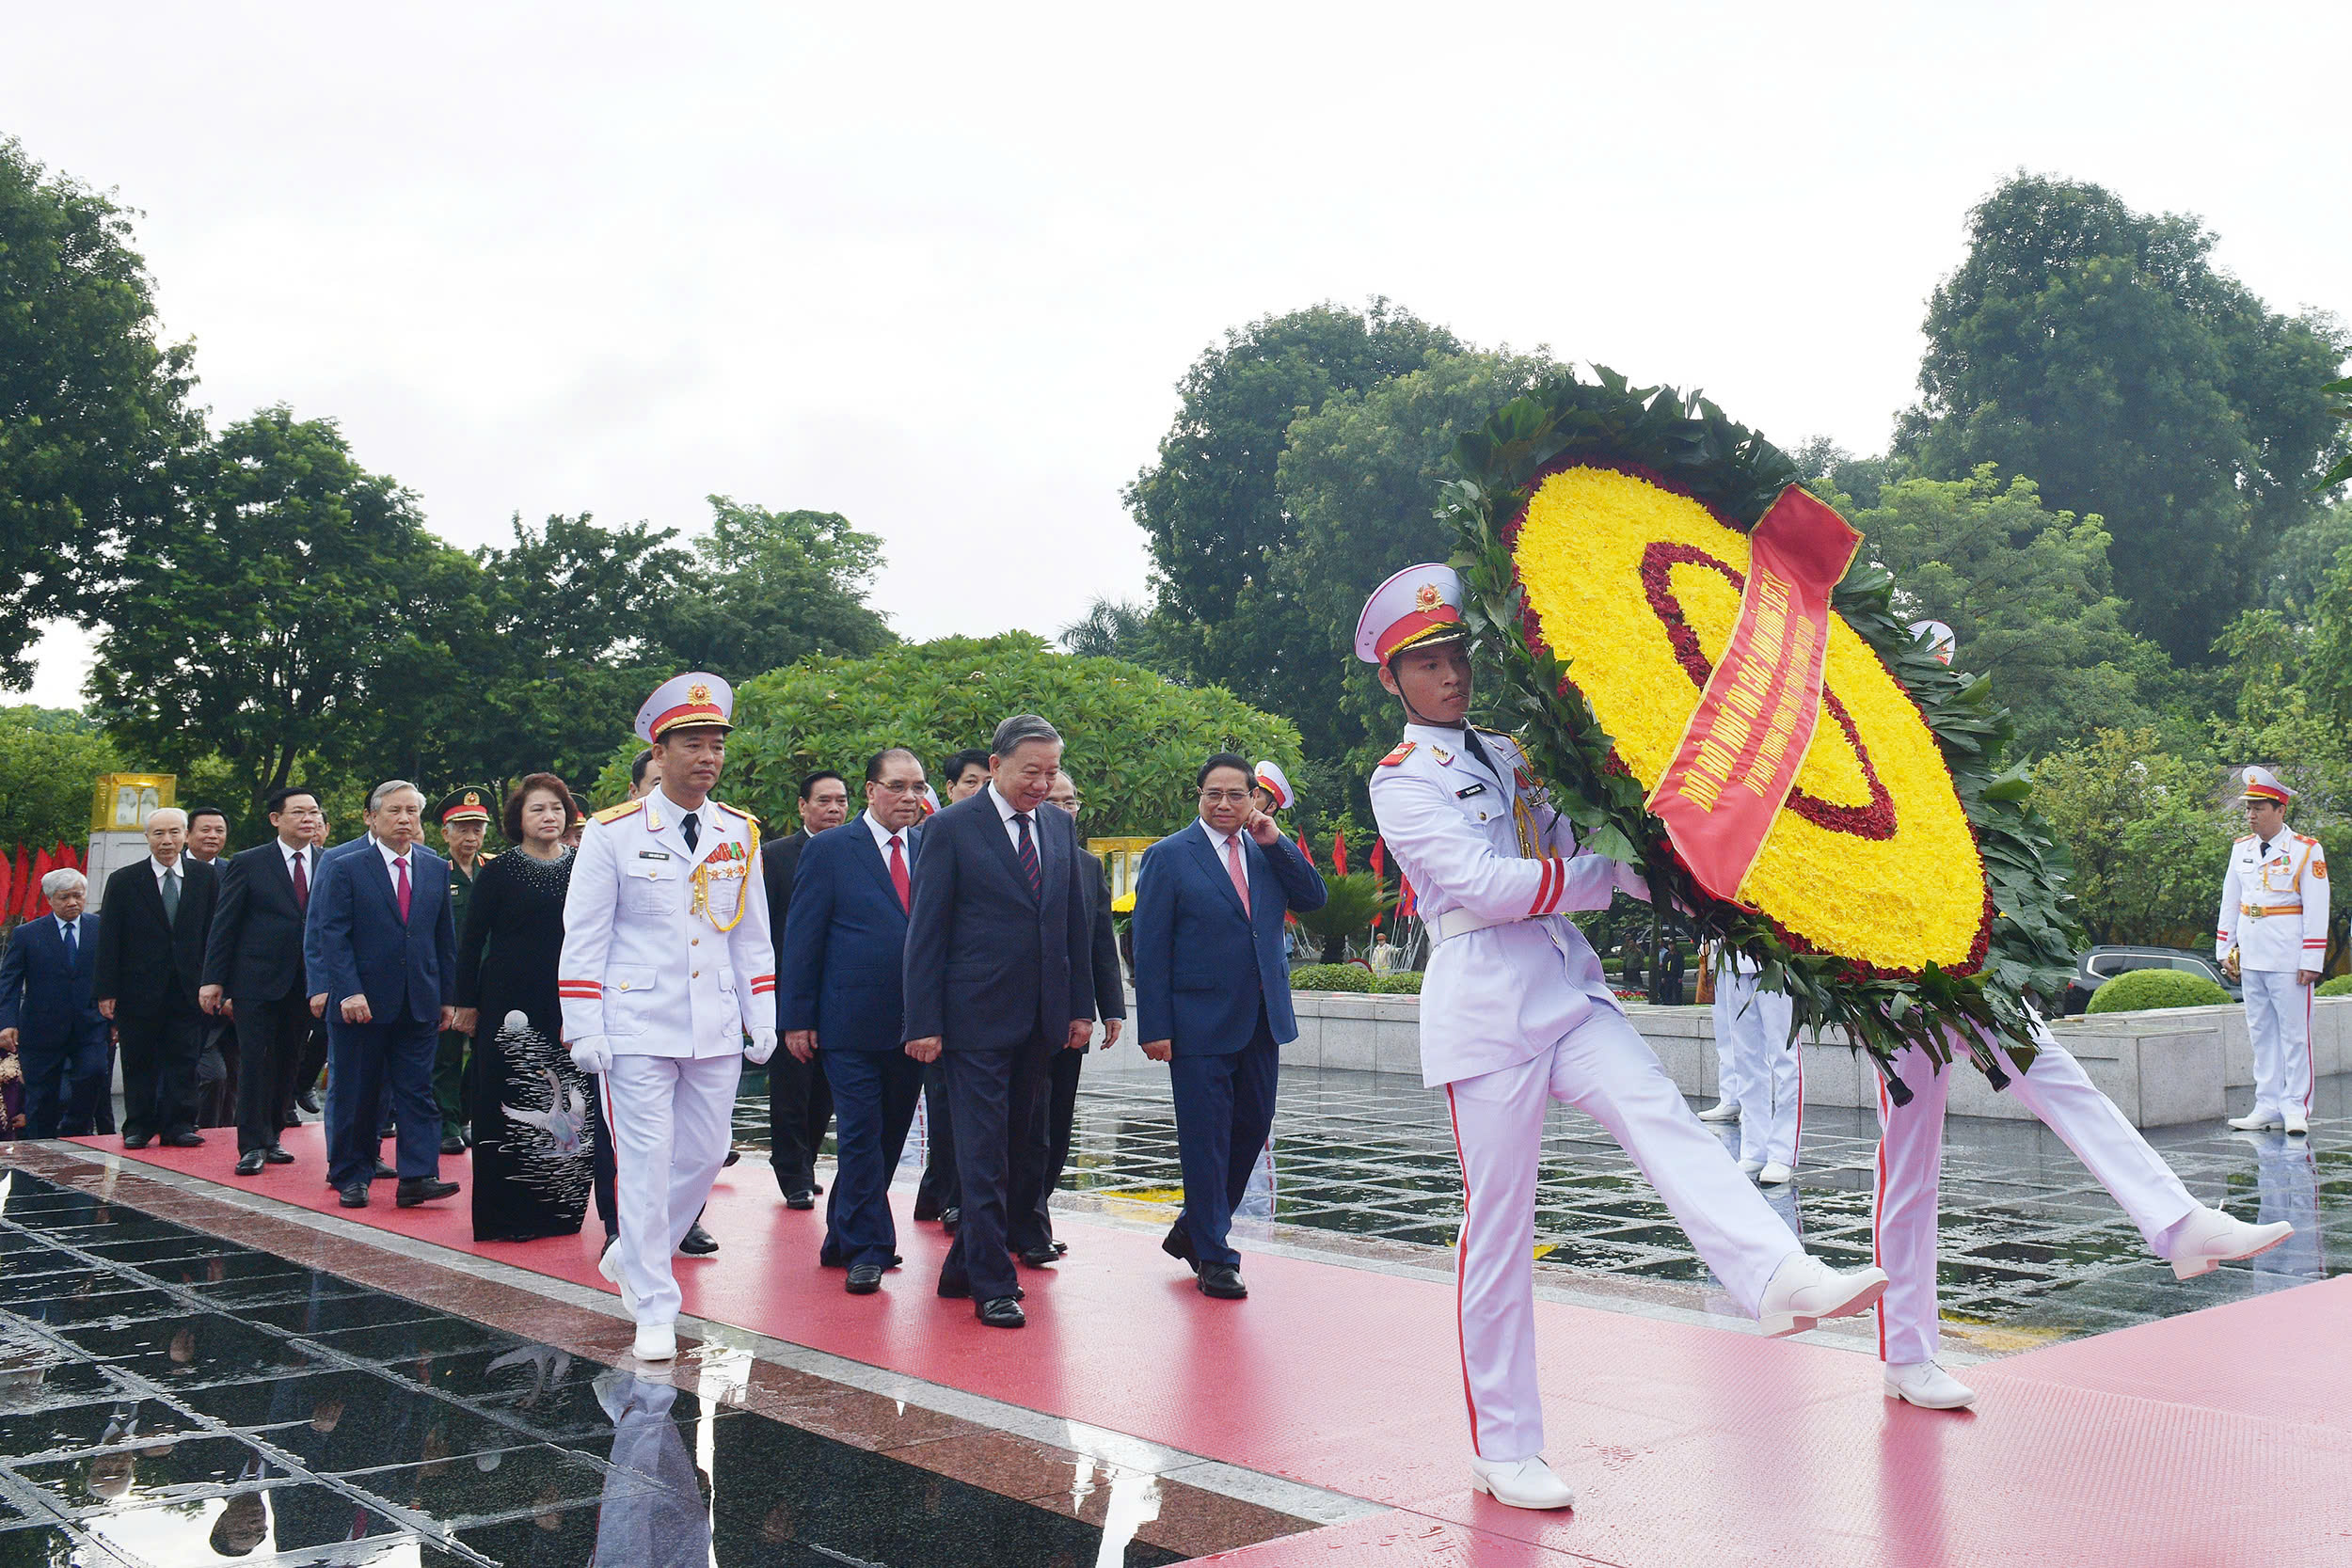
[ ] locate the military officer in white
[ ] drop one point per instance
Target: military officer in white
(1752, 1030)
(667, 966)
(1515, 1014)
(2273, 934)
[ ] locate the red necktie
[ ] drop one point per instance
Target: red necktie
(898, 876)
(1241, 880)
(400, 886)
(302, 880)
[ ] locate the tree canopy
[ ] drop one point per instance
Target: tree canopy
(50, 760)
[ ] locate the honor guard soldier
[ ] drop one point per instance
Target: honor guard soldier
(465, 818)
(1515, 1014)
(667, 966)
(1271, 787)
(2273, 940)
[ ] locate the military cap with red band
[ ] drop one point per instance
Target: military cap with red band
(696, 700)
(2263, 784)
(1419, 607)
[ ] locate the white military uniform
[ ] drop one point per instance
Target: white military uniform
(1756, 1056)
(667, 955)
(1514, 1013)
(2274, 911)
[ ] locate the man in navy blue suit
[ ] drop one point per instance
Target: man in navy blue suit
(48, 1015)
(840, 983)
(379, 946)
(1213, 999)
(996, 981)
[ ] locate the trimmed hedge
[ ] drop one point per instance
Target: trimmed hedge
(2147, 989)
(1405, 982)
(2340, 986)
(1331, 977)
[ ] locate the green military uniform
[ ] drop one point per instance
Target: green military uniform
(464, 804)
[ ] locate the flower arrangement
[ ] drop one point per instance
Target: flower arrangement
(1905, 891)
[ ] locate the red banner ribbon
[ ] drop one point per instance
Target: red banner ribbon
(1740, 755)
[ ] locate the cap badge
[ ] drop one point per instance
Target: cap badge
(1427, 597)
(699, 692)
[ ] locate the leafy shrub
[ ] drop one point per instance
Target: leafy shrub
(1403, 983)
(1331, 977)
(2146, 990)
(2340, 986)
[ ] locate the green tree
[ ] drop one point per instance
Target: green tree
(2029, 595)
(1134, 739)
(1209, 504)
(276, 620)
(770, 588)
(1113, 628)
(91, 405)
(50, 760)
(2099, 350)
(2147, 836)
(1361, 478)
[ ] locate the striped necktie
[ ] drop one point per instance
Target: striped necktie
(1028, 856)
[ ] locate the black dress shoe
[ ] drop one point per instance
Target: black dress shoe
(1223, 1281)
(1041, 1256)
(949, 1219)
(1177, 1244)
(134, 1140)
(698, 1243)
(385, 1172)
(1004, 1313)
(305, 1100)
(733, 1155)
(277, 1156)
(414, 1190)
(355, 1196)
(452, 1143)
(865, 1280)
(804, 1198)
(183, 1140)
(1061, 1249)
(289, 1119)
(926, 1209)
(249, 1163)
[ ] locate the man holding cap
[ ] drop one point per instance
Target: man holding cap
(667, 966)
(2273, 938)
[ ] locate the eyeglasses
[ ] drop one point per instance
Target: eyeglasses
(1225, 797)
(895, 786)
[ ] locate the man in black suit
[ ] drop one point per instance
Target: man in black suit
(217, 1063)
(937, 1196)
(800, 1103)
(253, 971)
(157, 916)
(997, 979)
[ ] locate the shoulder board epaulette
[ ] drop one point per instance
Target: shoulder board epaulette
(737, 809)
(2247, 838)
(613, 813)
(1499, 735)
(1403, 750)
(2305, 838)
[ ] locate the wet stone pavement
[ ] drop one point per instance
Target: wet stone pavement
(168, 1397)
(2033, 1248)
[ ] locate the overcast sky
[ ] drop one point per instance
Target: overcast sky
(938, 268)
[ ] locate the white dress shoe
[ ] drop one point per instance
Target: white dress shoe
(610, 1266)
(1804, 1291)
(1929, 1387)
(1774, 1174)
(2297, 1124)
(2258, 1122)
(2210, 1238)
(1723, 1110)
(1751, 1167)
(1522, 1483)
(655, 1342)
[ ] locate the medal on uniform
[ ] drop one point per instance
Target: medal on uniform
(733, 862)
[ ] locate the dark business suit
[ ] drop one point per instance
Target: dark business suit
(997, 970)
(1061, 1094)
(1214, 983)
(800, 1102)
(356, 944)
(255, 957)
(61, 1039)
(839, 971)
(150, 965)
(216, 1074)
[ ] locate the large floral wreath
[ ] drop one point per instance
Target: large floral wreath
(1906, 891)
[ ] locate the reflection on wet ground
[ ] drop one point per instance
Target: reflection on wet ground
(167, 1399)
(2033, 1248)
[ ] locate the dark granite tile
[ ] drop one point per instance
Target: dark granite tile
(69, 1427)
(149, 1468)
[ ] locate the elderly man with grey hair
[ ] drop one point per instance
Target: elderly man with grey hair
(997, 979)
(379, 945)
(150, 962)
(47, 1015)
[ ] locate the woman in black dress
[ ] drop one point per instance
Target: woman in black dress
(534, 1134)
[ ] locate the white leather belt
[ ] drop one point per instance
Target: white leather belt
(1461, 923)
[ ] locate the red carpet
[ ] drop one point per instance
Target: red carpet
(2221, 1438)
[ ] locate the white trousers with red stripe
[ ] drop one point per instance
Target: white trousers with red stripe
(1604, 1069)
(1910, 1160)
(2279, 1019)
(671, 1118)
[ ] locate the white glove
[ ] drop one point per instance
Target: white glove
(762, 1047)
(592, 1055)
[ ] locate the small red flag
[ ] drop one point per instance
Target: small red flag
(1304, 850)
(1404, 901)
(1339, 851)
(32, 887)
(8, 886)
(1380, 857)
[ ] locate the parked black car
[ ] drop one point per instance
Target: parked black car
(2102, 964)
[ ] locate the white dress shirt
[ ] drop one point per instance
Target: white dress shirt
(883, 835)
(1218, 841)
(69, 927)
(176, 868)
(391, 855)
(303, 852)
(1013, 829)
